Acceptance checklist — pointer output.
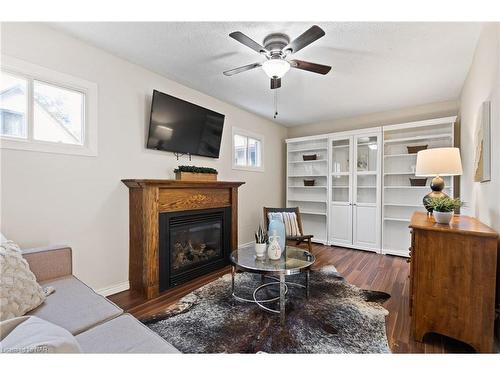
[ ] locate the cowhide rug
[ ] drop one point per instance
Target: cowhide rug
(337, 318)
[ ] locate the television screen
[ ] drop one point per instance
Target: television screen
(179, 126)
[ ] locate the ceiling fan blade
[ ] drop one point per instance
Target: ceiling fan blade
(241, 69)
(275, 83)
(310, 67)
(303, 40)
(243, 39)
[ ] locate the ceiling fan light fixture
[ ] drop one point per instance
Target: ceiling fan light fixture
(276, 68)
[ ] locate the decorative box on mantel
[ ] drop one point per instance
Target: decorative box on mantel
(149, 200)
(190, 176)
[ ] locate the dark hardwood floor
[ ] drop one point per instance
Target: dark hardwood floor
(364, 269)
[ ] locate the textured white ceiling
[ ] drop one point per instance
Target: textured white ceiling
(376, 66)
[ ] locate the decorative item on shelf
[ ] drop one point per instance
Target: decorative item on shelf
(443, 208)
(274, 249)
(276, 224)
(260, 242)
(309, 182)
(438, 162)
(416, 149)
(418, 181)
(310, 157)
(192, 173)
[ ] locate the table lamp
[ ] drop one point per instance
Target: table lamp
(436, 163)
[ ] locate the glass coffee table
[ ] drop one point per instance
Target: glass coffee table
(293, 261)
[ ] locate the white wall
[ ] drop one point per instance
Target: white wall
(80, 201)
(482, 84)
(417, 113)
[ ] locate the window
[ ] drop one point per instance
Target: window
(13, 106)
(43, 110)
(247, 150)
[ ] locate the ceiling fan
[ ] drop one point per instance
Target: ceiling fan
(277, 48)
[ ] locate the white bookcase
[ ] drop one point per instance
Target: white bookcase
(311, 200)
(362, 197)
(400, 199)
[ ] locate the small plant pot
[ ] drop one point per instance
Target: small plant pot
(442, 217)
(260, 250)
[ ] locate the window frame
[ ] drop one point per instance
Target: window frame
(256, 136)
(31, 73)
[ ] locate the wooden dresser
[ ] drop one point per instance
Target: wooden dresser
(452, 279)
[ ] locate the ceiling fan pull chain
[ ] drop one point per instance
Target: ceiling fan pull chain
(275, 103)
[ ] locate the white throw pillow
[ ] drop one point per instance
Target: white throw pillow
(19, 291)
(2, 238)
(29, 334)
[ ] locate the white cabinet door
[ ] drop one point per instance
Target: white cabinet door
(366, 232)
(341, 224)
(366, 191)
(340, 232)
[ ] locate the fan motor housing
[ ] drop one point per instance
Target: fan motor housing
(274, 43)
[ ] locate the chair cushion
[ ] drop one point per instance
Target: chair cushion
(124, 334)
(19, 290)
(74, 306)
(29, 334)
(290, 221)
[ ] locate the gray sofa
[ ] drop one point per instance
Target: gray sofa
(98, 325)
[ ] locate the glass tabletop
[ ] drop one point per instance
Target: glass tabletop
(293, 260)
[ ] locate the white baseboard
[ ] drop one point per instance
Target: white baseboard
(113, 289)
(120, 287)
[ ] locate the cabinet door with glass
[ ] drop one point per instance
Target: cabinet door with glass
(366, 191)
(341, 191)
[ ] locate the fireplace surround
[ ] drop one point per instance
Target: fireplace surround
(193, 243)
(148, 201)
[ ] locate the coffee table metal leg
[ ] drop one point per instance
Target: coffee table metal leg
(233, 271)
(282, 299)
(307, 283)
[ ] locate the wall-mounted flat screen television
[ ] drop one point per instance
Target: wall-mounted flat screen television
(182, 127)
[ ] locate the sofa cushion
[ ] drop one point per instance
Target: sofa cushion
(74, 306)
(19, 290)
(124, 334)
(29, 334)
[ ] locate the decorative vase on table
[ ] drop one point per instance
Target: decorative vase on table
(274, 249)
(277, 225)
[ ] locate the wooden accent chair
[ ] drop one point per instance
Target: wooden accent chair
(306, 238)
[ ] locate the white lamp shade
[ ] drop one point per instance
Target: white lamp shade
(439, 162)
(276, 68)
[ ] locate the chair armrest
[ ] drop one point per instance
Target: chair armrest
(49, 262)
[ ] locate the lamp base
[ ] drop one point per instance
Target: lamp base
(437, 186)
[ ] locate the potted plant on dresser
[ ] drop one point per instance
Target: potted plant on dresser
(443, 208)
(192, 173)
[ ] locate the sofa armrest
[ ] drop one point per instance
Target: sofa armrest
(49, 262)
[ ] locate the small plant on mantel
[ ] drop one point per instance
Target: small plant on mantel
(443, 208)
(192, 173)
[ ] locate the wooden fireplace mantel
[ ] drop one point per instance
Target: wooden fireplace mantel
(147, 199)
